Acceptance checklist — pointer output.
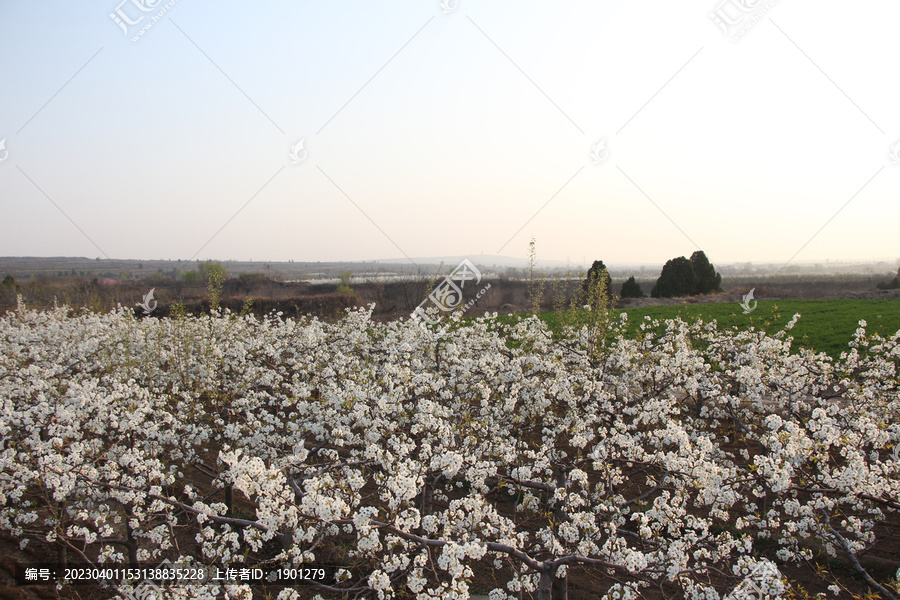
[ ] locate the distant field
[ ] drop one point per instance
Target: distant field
(824, 325)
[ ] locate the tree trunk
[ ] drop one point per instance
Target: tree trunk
(544, 586)
(558, 513)
(132, 544)
(229, 499)
(61, 555)
(559, 589)
(287, 539)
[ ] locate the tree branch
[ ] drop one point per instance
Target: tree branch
(855, 561)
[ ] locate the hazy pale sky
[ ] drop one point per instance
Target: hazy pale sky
(450, 129)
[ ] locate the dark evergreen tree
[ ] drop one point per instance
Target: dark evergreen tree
(596, 270)
(631, 289)
(893, 284)
(708, 281)
(594, 275)
(677, 279)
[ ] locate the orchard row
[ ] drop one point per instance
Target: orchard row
(418, 459)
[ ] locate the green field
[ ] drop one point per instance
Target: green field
(824, 325)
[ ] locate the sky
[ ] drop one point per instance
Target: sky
(631, 132)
